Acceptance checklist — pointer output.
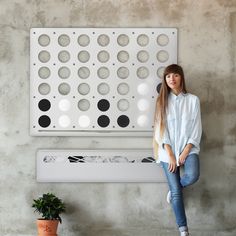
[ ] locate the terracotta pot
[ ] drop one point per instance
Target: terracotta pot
(47, 227)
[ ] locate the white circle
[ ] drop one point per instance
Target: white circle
(143, 89)
(84, 121)
(64, 121)
(143, 104)
(64, 105)
(142, 121)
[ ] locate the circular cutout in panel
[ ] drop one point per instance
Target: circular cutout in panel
(160, 72)
(123, 40)
(64, 89)
(44, 105)
(44, 56)
(142, 121)
(103, 121)
(123, 89)
(123, 72)
(143, 89)
(64, 72)
(63, 56)
(103, 40)
(63, 40)
(143, 104)
(64, 105)
(123, 105)
(103, 72)
(142, 72)
(143, 56)
(84, 121)
(103, 56)
(44, 121)
(103, 105)
(44, 40)
(123, 121)
(83, 89)
(143, 40)
(103, 88)
(83, 56)
(83, 72)
(64, 121)
(162, 40)
(83, 104)
(162, 56)
(44, 72)
(83, 40)
(44, 89)
(123, 56)
(158, 88)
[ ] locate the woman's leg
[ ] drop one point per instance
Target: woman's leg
(191, 170)
(176, 196)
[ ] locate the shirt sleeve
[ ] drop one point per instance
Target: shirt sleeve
(162, 140)
(196, 133)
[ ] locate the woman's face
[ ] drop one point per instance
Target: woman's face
(173, 81)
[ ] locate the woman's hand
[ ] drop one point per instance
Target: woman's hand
(182, 159)
(172, 164)
(183, 156)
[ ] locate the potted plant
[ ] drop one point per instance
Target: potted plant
(50, 207)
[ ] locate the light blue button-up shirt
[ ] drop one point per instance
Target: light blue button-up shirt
(183, 126)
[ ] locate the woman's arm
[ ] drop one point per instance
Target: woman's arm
(185, 153)
(172, 161)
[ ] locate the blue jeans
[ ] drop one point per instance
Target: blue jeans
(177, 182)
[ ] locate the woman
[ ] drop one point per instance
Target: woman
(178, 132)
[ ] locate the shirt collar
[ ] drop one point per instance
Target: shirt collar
(175, 97)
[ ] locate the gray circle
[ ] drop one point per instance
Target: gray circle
(83, 89)
(123, 89)
(142, 72)
(160, 72)
(123, 105)
(44, 56)
(162, 56)
(83, 40)
(143, 56)
(123, 72)
(103, 40)
(123, 40)
(64, 72)
(162, 40)
(64, 88)
(83, 104)
(63, 56)
(123, 56)
(83, 56)
(83, 72)
(143, 40)
(103, 72)
(103, 56)
(44, 72)
(103, 88)
(64, 40)
(44, 40)
(44, 89)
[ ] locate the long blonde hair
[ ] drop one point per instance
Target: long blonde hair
(162, 100)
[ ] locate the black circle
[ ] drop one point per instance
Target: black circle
(123, 121)
(44, 121)
(103, 105)
(103, 121)
(44, 105)
(158, 88)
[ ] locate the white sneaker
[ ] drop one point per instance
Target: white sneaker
(168, 197)
(184, 233)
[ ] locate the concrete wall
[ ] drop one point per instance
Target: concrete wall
(207, 51)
